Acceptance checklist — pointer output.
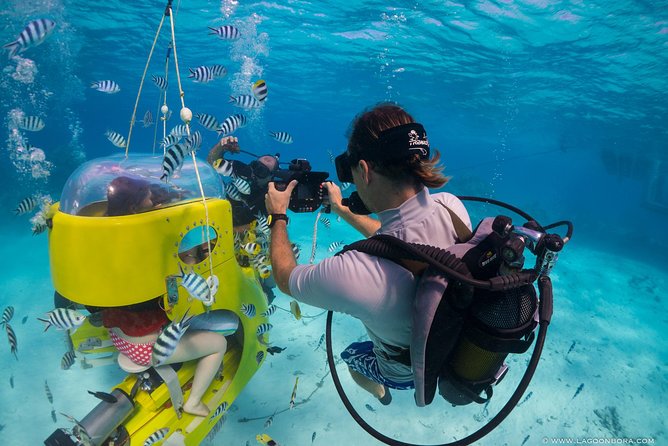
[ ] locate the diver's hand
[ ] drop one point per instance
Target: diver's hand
(226, 144)
(334, 198)
(277, 201)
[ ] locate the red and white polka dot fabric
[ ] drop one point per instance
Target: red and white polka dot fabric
(139, 353)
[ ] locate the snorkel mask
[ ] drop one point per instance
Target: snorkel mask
(260, 167)
(394, 144)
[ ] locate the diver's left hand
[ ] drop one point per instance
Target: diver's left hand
(277, 201)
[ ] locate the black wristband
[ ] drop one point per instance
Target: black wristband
(273, 218)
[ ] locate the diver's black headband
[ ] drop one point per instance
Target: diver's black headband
(402, 141)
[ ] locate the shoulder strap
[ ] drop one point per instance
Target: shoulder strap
(463, 232)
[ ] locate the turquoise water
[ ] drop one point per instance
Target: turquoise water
(556, 107)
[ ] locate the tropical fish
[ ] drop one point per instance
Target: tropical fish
(263, 269)
(68, 360)
(252, 249)
(294, 394)
(571, 347)
(245, 101)
(320, 341)
(248, 310)
(325, 221)
(198, 287)
(33, 34)
(173, 160)
(116, 139)
(263, 328)
(201, 74)
(166, 343)
(232, 192)
(296, 249)
(262, 224)
(331, 155)
(148, 119)
(231, 124)
(180, 130)
(313, 437)
(156, 436)
(11, 381)
(160, 82)
(345, 186)
(106, 86)
(7, 315)
(208, 122)
(259, 90)
(282, 137)
(24, 320)
(220, 409)
(49, 395)
(271, 309)
(31, 123)
(269, 420)
(242, 185)
(295, 310)
(53, 415)
(169, 140)
(104, 396)
(39, 227)
(226, 32)
(11, 337)
(525, 440)
(223, 167)
(259, 357)
(273, 350)
(577, 392)
(26, 205)
(193, 142)
(63, 319)
(335, 246)
(218, 71)
(526, 398)
(369, 407)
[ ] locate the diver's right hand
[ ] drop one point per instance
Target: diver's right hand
(226, 144)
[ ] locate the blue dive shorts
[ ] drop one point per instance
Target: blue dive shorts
(361, 358)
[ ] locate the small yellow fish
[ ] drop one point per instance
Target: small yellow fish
(295, 310)
(266, 439)
(294, 394)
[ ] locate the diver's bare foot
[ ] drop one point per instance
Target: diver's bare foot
(198, 409)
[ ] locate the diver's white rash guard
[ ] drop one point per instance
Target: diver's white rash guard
(377, 291)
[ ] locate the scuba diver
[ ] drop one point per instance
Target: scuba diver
(246, 208)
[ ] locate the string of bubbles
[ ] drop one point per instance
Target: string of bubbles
(387, 71)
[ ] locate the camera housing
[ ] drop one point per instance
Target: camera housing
(309, 193)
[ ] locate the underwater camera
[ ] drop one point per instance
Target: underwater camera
(308, 195)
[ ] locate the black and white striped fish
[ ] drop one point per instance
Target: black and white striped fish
(231, 124)
(166, 343)
(232, 192)
(325, 221)
(248, 310)
(282, 137)
(173, 160)
(63, 319)
(259, 90)
(33, 34)
(116, 139)
(262, 224)
(246, 101)
(148, 119)
(345, 185)
(169, 140)
(68, 359)
(218, 71)
(271, 309)
(53, 415)
(209, 122)
(13, 343)
(31, 123)
(242, 185)
(335, 246)
(201, 74)
(180, 130)
(26, 205)
(156, 436)
(252, 249)
(198, 287)
(39, 227)
(160, 82)
(296, 249)
(106, 86)
(193, 142)
(49, 395)
(263, 269)
(223, 167)
(226, 32)
(331, 156)
(263, 328)
(220, 409)
(259, 357)
(7, 315)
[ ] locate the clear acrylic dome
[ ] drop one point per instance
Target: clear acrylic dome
(87, 190)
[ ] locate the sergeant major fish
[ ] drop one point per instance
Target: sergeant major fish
(26, 205)
(7, 315)
(198, 287)
(231, 124)
(160, 82)
(201, 74)
(32, 35)
(226, 32)
(271, 309)
(173, 160)
(248, 310)
(116, 139)
(246, 101)
(156, 436)
(218, 70)
(335, 246)
(282, 137)
(68, 360)
(13, 343)
(166, 343)
(209, 122)
(31, 123)
(106, 86)
(63, 319)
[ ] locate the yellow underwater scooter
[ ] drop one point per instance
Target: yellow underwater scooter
(102, 261)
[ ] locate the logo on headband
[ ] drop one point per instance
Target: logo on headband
(415, 142)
